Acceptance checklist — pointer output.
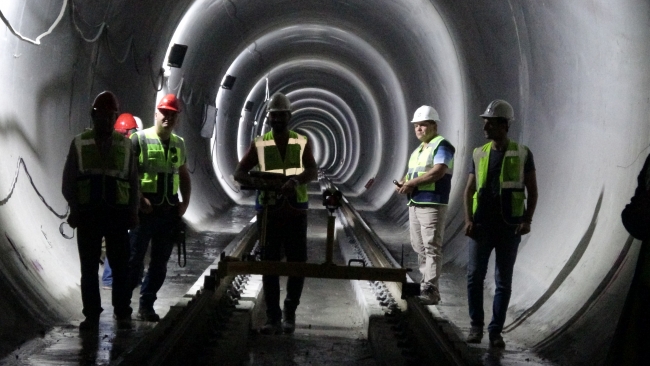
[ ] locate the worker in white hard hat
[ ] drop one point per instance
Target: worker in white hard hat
(288, 154)
(496, 216)
(427, 184)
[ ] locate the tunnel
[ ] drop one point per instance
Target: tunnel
(576, 73)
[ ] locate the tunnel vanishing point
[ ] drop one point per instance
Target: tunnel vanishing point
(576, 72)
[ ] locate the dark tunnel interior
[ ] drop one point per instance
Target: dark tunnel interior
(576, 72)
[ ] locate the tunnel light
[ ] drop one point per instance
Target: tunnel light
(176, 55)
(210, 119)
(228, 82)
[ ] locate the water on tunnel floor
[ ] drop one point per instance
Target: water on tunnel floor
(64, 345)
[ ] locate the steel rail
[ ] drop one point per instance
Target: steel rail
(176, 333)
(449, 349)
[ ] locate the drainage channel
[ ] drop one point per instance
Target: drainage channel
(212, 324)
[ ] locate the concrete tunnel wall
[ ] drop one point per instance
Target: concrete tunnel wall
(575, 72)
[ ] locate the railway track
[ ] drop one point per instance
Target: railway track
(212, 322)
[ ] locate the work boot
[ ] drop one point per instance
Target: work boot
(89, 324)
(475, 335)
(429, 295)
(148, 315)
(496, 341)
(271, 327)
(123, 322)
(289, 321)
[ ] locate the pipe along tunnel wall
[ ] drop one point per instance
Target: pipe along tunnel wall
(576, 73)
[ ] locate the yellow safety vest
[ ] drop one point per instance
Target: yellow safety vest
(153, 165)
(269, 160)
(420, 162)
(103, 180)
(511, 179)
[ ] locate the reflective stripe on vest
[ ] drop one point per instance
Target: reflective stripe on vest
(153, 164)
(270, 160)
(103, 179)
(511, 179)
(420, 162)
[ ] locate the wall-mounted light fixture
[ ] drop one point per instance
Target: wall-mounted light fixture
(176, 55)
(228, 82)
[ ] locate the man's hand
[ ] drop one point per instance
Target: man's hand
(145, 205)
(289, 188)
(182, 207)
(469, 229)
(405, 189)
(523, 228)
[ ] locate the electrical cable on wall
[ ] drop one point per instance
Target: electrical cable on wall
(31, 181)
(101, 26)
(36, 41)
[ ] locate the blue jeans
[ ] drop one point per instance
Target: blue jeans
(156, 227)
(505, 243)
(107, 276)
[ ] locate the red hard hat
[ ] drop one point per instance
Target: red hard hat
(106, 102)
(125, 122)
(170, 102)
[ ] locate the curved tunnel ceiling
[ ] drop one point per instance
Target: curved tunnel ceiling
(576, 73)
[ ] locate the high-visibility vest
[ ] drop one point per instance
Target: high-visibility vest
(511, 179)
(154, 166)
(103, 180)
(270, 160)
(420, 163)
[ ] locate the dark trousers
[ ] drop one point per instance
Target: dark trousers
(286, 230)
(505, 243)
(631, 341)
(93, 226)
(156, 227)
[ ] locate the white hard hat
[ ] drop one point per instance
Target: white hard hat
(425, 113)
(499, 108)
(278, 103)
(138, 122)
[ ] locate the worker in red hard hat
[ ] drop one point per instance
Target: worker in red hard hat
(126, 124)
(163, 171)
(103, 204)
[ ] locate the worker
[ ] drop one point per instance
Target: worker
(496, 216)
(162, 165)
(290, 154)
(427, 185)
(631, 343)
(126, 125)
(100, 183)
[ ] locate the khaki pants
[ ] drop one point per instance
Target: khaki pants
(427, 226)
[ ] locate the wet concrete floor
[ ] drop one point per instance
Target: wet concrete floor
(64, 345)
(329, 324)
